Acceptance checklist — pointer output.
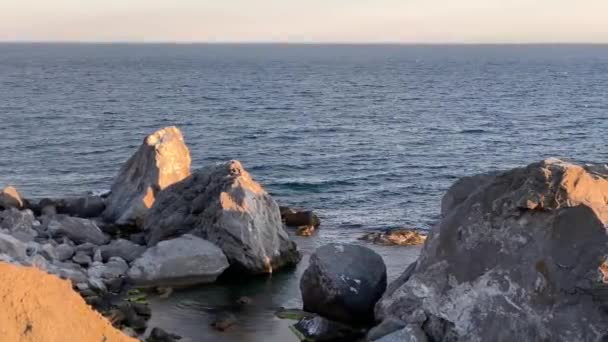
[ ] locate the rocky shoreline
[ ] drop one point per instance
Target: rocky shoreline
(524, 247)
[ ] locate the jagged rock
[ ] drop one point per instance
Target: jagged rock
(12, 247)
(223, 204)
(122, 248)
(411, 333)
(10, 198)
(20, 223)
(516, 257)
(76, 229)
(186, 260)
(162, 159)
(343, 282)
(320, 329)
(395, 237)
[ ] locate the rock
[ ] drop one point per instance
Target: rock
(411, 333)
(10, 198)
(305, 230)
(97, 284)
(159, 335)
(97, 256)
(515, 257)
(320, 329)
(12, 247)
(142, 309)
(124, 313)
(64, 252)
(293, 314)
(396, 237)
(386, 327)
(86, 207)
(223, 204)
(223, 321)
(87, 248)
(114, 268)
(47, 207)
(19, 223)
(39, 262)
(37, 306)
(182, 261)
(300, 218)
(76, 229)
(343, 282)
(122, 248)
(82, 258)
(48, 251)
(244, 300)
(162, 159)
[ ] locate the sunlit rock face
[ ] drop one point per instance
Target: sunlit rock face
(163, 159)
(516, 256)
(224, 205)
(10, 198)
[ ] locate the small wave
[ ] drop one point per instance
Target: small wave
(473, 131)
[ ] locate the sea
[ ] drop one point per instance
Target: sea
(367, 136)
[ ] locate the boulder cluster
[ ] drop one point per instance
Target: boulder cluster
(161, 225)
(519, 255)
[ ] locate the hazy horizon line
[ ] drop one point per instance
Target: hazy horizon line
(394, 43)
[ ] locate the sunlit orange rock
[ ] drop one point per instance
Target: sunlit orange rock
(37, 306)
(10, 198)
(397, 237)
(163, 159)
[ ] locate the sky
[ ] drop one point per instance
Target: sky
(337, 21)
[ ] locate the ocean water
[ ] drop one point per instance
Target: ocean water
(368, 136)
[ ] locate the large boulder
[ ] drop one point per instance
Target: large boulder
(163, 159)
(10, 198)
(343, 282)
(224, 205)
(186, 260)
(76, 229)
(516, 256)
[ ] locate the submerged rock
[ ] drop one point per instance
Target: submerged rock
(184, 261)
(516, 257)
(163, 159)
(396, 237)
(224, 205)
(343, 282)
(10, 198)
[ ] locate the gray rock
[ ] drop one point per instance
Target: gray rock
(114, 268)
(86, 207)
(183, 261)
(122, 248)
(76, 229)
(343, 282)
(384, 328)
(97, 284)
(20, 223)
(159, 335)
(87, 248)
(48, 251)
(517, 257)
(82, 258)
(411, 333)
(38, 261)
(162, 159)
(10, 198)
(68, 271)
(224, 205)
(12, 247)
(97, 256)
(64, 252)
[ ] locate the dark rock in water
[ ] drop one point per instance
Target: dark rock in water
(294, 218)
(76, 229)
(223, 321)
(224, 205)
(159, 335)
(86, 207)
(183, 261)
(343, 282)
(10, 198)
(395, 237)
(319, 329)
(162, 159)
(122, 248)
(124, 313)
(305, 230)
(517, 256)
